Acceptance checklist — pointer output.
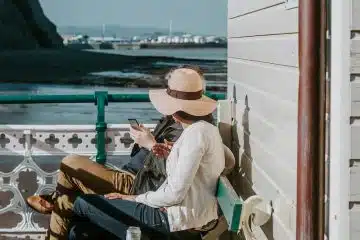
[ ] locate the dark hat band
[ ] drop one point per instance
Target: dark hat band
(184, 95)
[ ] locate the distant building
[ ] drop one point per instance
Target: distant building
(105, 39)
(210, 39)
(187, 39)
(178, 38)
(175, 39)
(161, 39)
(70, 39)
(187, 35)
(67, 38)
(199, 39)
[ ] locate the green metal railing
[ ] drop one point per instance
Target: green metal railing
(100, 99)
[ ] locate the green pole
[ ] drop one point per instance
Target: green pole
(101, 101)
(87, 98)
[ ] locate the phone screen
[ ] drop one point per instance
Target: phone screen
(133, 123)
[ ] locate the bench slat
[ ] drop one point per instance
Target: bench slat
(230, 203)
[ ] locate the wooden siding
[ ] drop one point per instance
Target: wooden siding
(263, 78)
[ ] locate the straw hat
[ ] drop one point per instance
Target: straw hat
(184, 93)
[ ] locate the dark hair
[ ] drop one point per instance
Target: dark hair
(207, 118)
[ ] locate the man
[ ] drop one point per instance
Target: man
(79, 175)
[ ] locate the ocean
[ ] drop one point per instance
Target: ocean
(197, 53)
(86, 113)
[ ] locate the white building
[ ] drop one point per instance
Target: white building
(210, 39)
(199, 39)
(175, 39)
(187, 35)
(161, 39)
(187, 40)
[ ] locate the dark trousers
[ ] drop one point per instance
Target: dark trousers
(115, 216)
(81, 229)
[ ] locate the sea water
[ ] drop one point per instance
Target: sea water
(82, 113)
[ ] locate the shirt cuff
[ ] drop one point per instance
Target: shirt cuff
(140, 198)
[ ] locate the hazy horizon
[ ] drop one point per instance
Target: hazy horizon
(201, 16)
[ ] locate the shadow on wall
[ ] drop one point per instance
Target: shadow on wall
(241, 177)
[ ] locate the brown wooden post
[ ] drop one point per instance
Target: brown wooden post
(311, 121)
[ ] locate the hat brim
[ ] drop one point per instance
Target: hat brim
(168, 105)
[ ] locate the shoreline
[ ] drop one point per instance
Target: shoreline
(74, 67)
(168, 46)
(117, 82)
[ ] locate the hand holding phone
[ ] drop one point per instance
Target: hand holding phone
(134, 123)
(141, 135)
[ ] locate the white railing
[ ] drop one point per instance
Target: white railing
(29, 159)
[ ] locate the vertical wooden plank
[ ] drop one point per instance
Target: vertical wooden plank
(339, 124)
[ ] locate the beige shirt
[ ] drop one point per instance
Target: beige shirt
(193, 169)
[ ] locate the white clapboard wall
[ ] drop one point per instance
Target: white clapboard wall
(263, 79)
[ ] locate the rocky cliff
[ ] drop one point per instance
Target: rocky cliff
(23, 25)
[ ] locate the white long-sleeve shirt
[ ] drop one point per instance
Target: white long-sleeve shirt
(193, 169)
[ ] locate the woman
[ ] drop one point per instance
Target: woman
(186, 200)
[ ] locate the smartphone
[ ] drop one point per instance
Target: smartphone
(134, 123)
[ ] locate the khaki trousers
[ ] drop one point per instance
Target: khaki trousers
(79, 175)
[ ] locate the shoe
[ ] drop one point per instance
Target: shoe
(43, 204)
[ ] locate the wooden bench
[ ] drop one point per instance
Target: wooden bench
(235, 212)
(229, 202)
(231, 207)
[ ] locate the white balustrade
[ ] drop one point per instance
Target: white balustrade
(29, 160)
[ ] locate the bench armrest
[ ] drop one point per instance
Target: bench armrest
(230, 203)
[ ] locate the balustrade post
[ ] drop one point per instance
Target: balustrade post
(27, 143)
(101, 99)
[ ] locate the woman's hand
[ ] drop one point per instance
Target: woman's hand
(162, 149)
(120, 196)
(143, 137)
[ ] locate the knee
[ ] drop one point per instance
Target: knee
(80, 206)
(86, 205)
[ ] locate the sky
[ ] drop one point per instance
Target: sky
(195, 16)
